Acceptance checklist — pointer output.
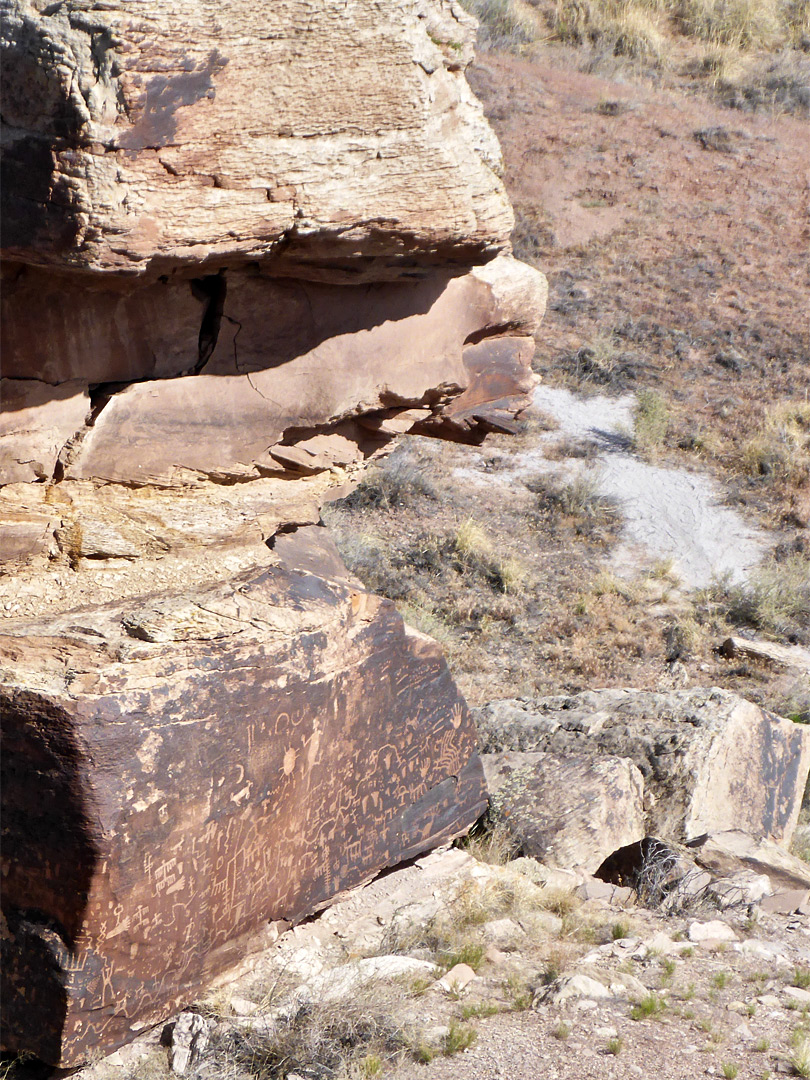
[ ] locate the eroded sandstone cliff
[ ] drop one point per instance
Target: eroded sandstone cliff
(245, 246)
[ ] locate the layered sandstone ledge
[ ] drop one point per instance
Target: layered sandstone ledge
(244, 248)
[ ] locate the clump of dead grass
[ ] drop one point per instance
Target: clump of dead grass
(341, 1038)
(652, 419)
(532, 235)
(622, 27)
(600, 361)
(578, 505)
(494, 844)
(779, 83)
(751, 52)
(743, 24)
(775, 600)
(781, 448)
(502, 24)
(476, 554)
(397, 486)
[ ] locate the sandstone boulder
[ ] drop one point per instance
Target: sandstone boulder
(231, 250)
(711, 761)
(568, 811)
(338, 139)
(179, 773)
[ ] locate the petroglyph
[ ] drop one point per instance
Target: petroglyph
(289, 792)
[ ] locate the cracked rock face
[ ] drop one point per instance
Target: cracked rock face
(568, 811)
(244, 248)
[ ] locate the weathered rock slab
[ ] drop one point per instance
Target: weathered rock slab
(333, 353)
(568, 811)
(180, 773)
(711, 761)
(734, 852)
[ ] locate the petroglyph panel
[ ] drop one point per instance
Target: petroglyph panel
(206, 787)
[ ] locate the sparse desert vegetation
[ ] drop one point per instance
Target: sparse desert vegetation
(749, 54)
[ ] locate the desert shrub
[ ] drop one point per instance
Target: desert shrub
(651, 421)
(375, 565)
(459, 1037)
(799, 1059)
(478, 1009)
(491, 843)
(518, 992)
(780, 82)
(318, 1039)
(532, 235)
(659, 879)
(622, 27)
(579, 497)
(683, 638)
(781, 448)
(775, 599)
(395, 485)
(741, 23)
(793, 701)
(649, 1006)
(470, 953)
(475, 554)
(577, 504)
(599, 361)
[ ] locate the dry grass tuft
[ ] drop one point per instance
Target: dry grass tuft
(775, 600)
(622, 27)
(395, 487)
(651, 422)
(350, 1037)
(492, 844)
(502, 24)
(743, 24)
(751, 52)
(475, 554)
(781, 448)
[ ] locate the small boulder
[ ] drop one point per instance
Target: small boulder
(786, 902)
(503, 933)
(575, 986)
(457, 978)
(703, 932)
(570, 811)
(747, 887)
(190, 1037)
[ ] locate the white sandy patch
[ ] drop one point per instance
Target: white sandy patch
(668, 513)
